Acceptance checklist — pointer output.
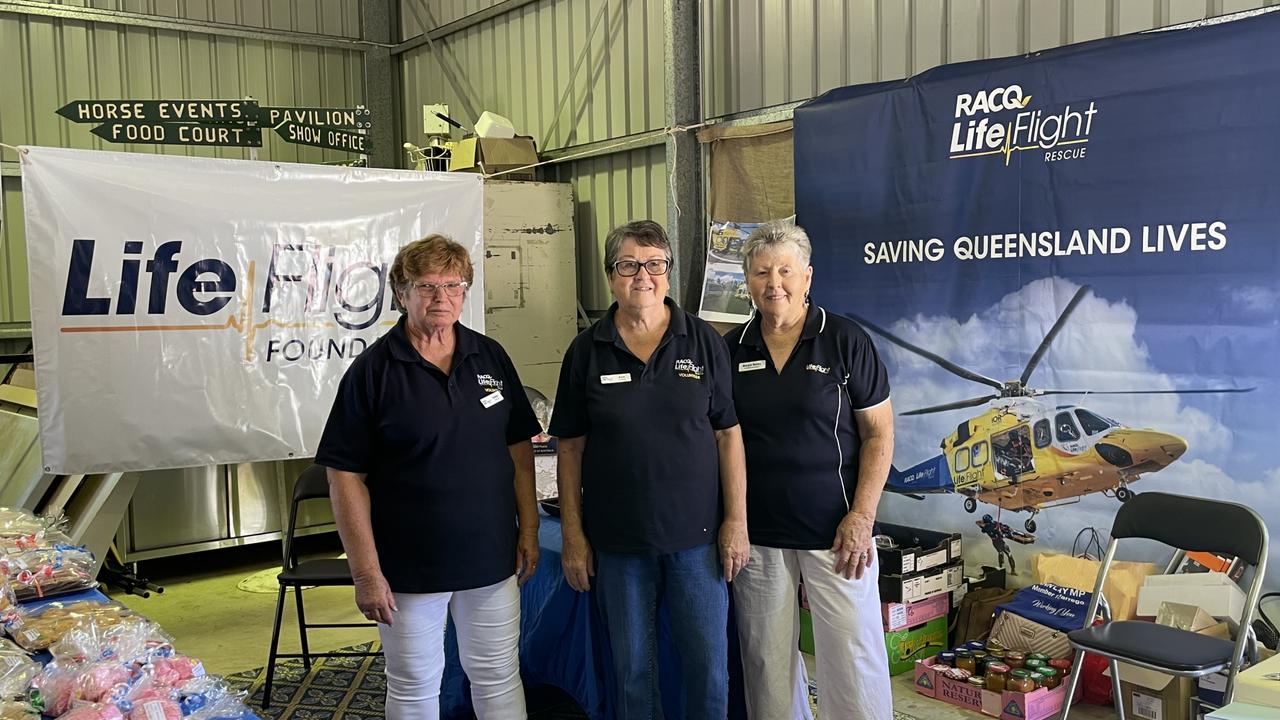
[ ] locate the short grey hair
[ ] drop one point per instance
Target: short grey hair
(645, 233)
(775, 236)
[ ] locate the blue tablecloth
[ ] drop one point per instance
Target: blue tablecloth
(563, 643)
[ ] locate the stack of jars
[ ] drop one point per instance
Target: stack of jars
(993, 667)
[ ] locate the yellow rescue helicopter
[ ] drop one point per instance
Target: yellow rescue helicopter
(1026, 455)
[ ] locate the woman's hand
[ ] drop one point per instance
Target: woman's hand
(374, 598)
(577, 561)
(735, 548)
(527, 552)
(853, 545)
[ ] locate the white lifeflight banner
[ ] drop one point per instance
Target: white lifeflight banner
(192, 311)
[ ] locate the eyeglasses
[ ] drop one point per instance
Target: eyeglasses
(628, 268)
(427, 290)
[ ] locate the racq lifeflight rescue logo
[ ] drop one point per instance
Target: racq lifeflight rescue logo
(1002, 121)
(310, 302)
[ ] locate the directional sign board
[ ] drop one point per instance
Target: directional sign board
(208, 112)
(179, 134)
(323, 137)
(336, 118)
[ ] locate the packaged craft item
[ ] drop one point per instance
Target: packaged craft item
(17, 710)
(48, 571)
(95, 711)
(37, 629)
(132, 639)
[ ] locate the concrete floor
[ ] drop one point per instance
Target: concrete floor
(230, 629)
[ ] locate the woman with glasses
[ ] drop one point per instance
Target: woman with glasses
(649, 449)
(430, 465)
(813, 398)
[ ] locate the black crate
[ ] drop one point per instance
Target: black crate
(918, 550)
(922, 585)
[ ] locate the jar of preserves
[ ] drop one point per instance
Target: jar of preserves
(1033, 663)
(976, 645)
(976, 681)
(1015, 660)
(1062, 665)
(1020, 681)
(981, 658)
(997, 676)
(1038, 678)
(1038, 656)
(965, 661)
(995, 645)
(1052, 678)
(947, 658)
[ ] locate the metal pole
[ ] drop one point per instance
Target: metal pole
(376, 22)
(685, 223)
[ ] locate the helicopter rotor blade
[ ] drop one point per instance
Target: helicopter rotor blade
(1198, 391)
(971, 402)
(943, 362)
(1053, 333)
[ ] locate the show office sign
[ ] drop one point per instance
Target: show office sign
(225, 123)
(192, 311)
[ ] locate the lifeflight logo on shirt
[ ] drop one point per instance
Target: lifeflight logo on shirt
(489, 383)
(814, 367)
(687, 368)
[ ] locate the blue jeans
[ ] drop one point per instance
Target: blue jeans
(690, 584)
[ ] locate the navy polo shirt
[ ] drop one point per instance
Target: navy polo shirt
(651, 467)
(435, 449)
(798, 427)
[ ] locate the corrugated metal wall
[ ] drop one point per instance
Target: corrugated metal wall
(758, 53)
(338, 18)
(611, 190)
(755, 54)
(519, 64)
(46, 62)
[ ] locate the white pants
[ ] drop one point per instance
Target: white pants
(488, 623)
(853, 666)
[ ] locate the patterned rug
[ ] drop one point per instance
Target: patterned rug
(354, 687)
(337, 687)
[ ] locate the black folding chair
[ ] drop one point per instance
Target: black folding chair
(312, 485)
(1185, 523)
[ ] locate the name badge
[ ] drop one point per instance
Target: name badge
(749, 366)
(491, 399)
(615, 378)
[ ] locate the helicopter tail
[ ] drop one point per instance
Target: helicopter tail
(930, 476)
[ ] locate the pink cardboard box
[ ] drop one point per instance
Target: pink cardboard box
(897, 616)
(1037, 705)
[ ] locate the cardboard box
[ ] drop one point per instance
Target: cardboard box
(897, 616)
(1036, 705)
(1151, 695)
(1253, 688)
(1243, 711)
(921, 586)
(918, 550)
(491, 155)
(905, 647)
(1213, 592)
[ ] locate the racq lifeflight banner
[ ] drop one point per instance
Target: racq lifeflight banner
(192, 311)
(1071, 263)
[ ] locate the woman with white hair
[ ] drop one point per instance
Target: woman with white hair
(813, 400)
